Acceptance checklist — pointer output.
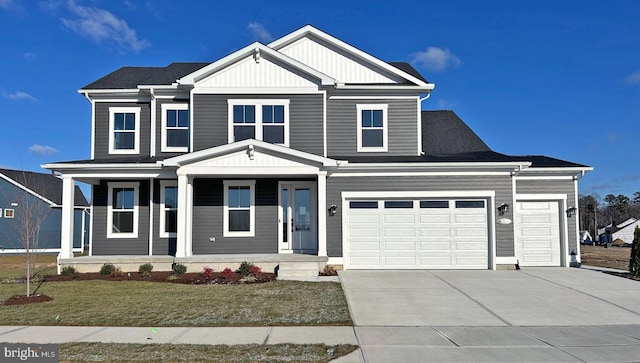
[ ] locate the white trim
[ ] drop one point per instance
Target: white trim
(91, 226)
(321, 227)
(577, 219)
(136, 209)
(132, 100)
(93, 126)
(252, 91)
(258, 125)
(421, 194)
(335, 261)
(163, 185)
(170, 107)
(38, 250)
(385, 126)
(428, 87)
(151, 208)
(545, 177)
(434, 165)
(520, 197)
(191, 120)
(324, 123)
(422, 173)
(419, 118)
(152, 141)
(252, 208)
(9, 213)
(374, 98)
(136, 112)
(506, 260)
(182, 250)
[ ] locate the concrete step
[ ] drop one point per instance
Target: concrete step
(298, 268)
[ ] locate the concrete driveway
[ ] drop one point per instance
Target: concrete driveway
(534, 314)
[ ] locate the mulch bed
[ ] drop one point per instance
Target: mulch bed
(24, 299)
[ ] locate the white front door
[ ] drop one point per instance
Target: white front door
(297, 218)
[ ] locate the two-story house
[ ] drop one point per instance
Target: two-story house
(308, 146)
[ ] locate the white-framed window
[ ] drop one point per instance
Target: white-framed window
(372, 127)
(9, 213)
(124, 130)
(122, 210)
(175, 127)
(239, 208)
(266, 120)
(168, 208)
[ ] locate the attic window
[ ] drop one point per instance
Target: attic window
(372, 128)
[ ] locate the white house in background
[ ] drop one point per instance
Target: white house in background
(585, 238)
(625, 233)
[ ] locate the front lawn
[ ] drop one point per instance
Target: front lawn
(136, 303)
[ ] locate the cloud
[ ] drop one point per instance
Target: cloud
(42, 150)
(436, 59)
(12, 6)
(612, 136)
(29, 57)
(102, 25)
(259, 32)
(19, 95)
(6, 4)
(444, 104)
(634, 78)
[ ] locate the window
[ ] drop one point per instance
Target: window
(9, 213)
(469, 203)
(396, 204)
(175, 127)
(124, 126)
(168, 208)
(372, 128)
(122, 214)
(266, 120)
(363, 205)
(239, 208)
(434, 204)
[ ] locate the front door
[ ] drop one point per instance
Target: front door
(297, 219)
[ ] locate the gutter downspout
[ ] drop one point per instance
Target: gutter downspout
(420, 146)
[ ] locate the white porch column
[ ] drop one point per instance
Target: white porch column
(189, 218)
(66, 235)
(181, 238)
(322, 213)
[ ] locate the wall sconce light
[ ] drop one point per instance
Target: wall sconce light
(332, 210)
(571, 212)
(503, 208)
(14, 204)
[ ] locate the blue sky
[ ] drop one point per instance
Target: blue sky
(556, 78)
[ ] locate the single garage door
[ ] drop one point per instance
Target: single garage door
(417, 234)
(537, 233)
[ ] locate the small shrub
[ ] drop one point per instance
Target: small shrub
(179, 269)
(117, 272)
(245, 268)
(634, 261)
(328, 270)
(255, 271)
(226, 273)
(207, 272)
(107, 269)
(69, 271)
(146, 269)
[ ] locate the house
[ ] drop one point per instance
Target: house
(308, 147)
(625, 232)
(30, 200)
(585, 238)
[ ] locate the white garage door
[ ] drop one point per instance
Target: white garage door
(538, 233)
(416, 234)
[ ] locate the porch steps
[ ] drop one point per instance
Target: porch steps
(298, 269)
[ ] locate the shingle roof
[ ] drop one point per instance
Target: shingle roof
(408, 68)
(131, 77)
(48, 186)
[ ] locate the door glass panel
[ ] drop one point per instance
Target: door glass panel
(285, 214)
(302, 211)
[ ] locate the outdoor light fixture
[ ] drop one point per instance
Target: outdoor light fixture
(503, 208)
(571, 212)
(332, 210)
(14, 204)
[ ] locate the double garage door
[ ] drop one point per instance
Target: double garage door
(417, 234)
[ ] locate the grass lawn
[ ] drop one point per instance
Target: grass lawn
(13, 266)
(101, 352)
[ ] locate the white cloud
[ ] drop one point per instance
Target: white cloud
(19, 95)
(634, 77)
(436, 59)
(6, 4)
(29, 57)
(259, 32)
(102, 25)
(444, 104)
(42, 150)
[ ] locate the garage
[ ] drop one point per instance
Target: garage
(416, 234)
(537, 233)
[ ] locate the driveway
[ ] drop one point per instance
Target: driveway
(534, 314)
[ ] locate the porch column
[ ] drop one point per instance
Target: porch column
(181, 237)
(322, 213)
(66, 230)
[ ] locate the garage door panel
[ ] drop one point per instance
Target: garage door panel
(537, 258)
(536, 232)
(435, 246)
(470, 218)
(435, 232)
(365, 261)
(470, 246)
(436, 261)
(396, 245)
(536, 218)
(537, 244)
(536, 205)
(471, 232)
(365, 246)
(399, 218)
(399, 232)
(355, 232)
(400, 261)
(435, 218)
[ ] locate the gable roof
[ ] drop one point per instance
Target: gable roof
(47, 186)
(132, 77)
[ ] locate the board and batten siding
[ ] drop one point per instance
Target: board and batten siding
(554, 187)
(102, 132)
(119, 246)
(306, 117)
(500, 184)
(342, 127)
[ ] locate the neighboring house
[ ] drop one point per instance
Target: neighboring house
(309, 145)
(625, 232)
(27, 197)
(585, 238)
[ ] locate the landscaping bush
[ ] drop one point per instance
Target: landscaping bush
(117, 271)
(634, 262)
(207, 272)
(226, 273)
(255, 271)
(146, 269)
(107, 269)
(179, 269)
(328, 270)
(245, 268)
(69, 271)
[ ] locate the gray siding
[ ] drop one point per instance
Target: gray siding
(162, 246)
(210, 120)
(554, 187)
(501, 185)
(159, 103)
(102, 132)
(342, 127)
(119, 246)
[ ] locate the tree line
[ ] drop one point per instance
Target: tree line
(599, 212)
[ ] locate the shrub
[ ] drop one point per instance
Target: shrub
(226, 273)
(179, 269)
(634, 262)
(146, 269)
(328, 270)
(255, 271)
(69, 271)
(107, 269)
(117, 271)
(207, 272)
(245, 268)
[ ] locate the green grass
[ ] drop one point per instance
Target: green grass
(13, 266)
(101, 352)
(136, 303)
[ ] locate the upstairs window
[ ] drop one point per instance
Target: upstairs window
(372, 128)
(175, 127)
(265, 120)
(124, 126)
